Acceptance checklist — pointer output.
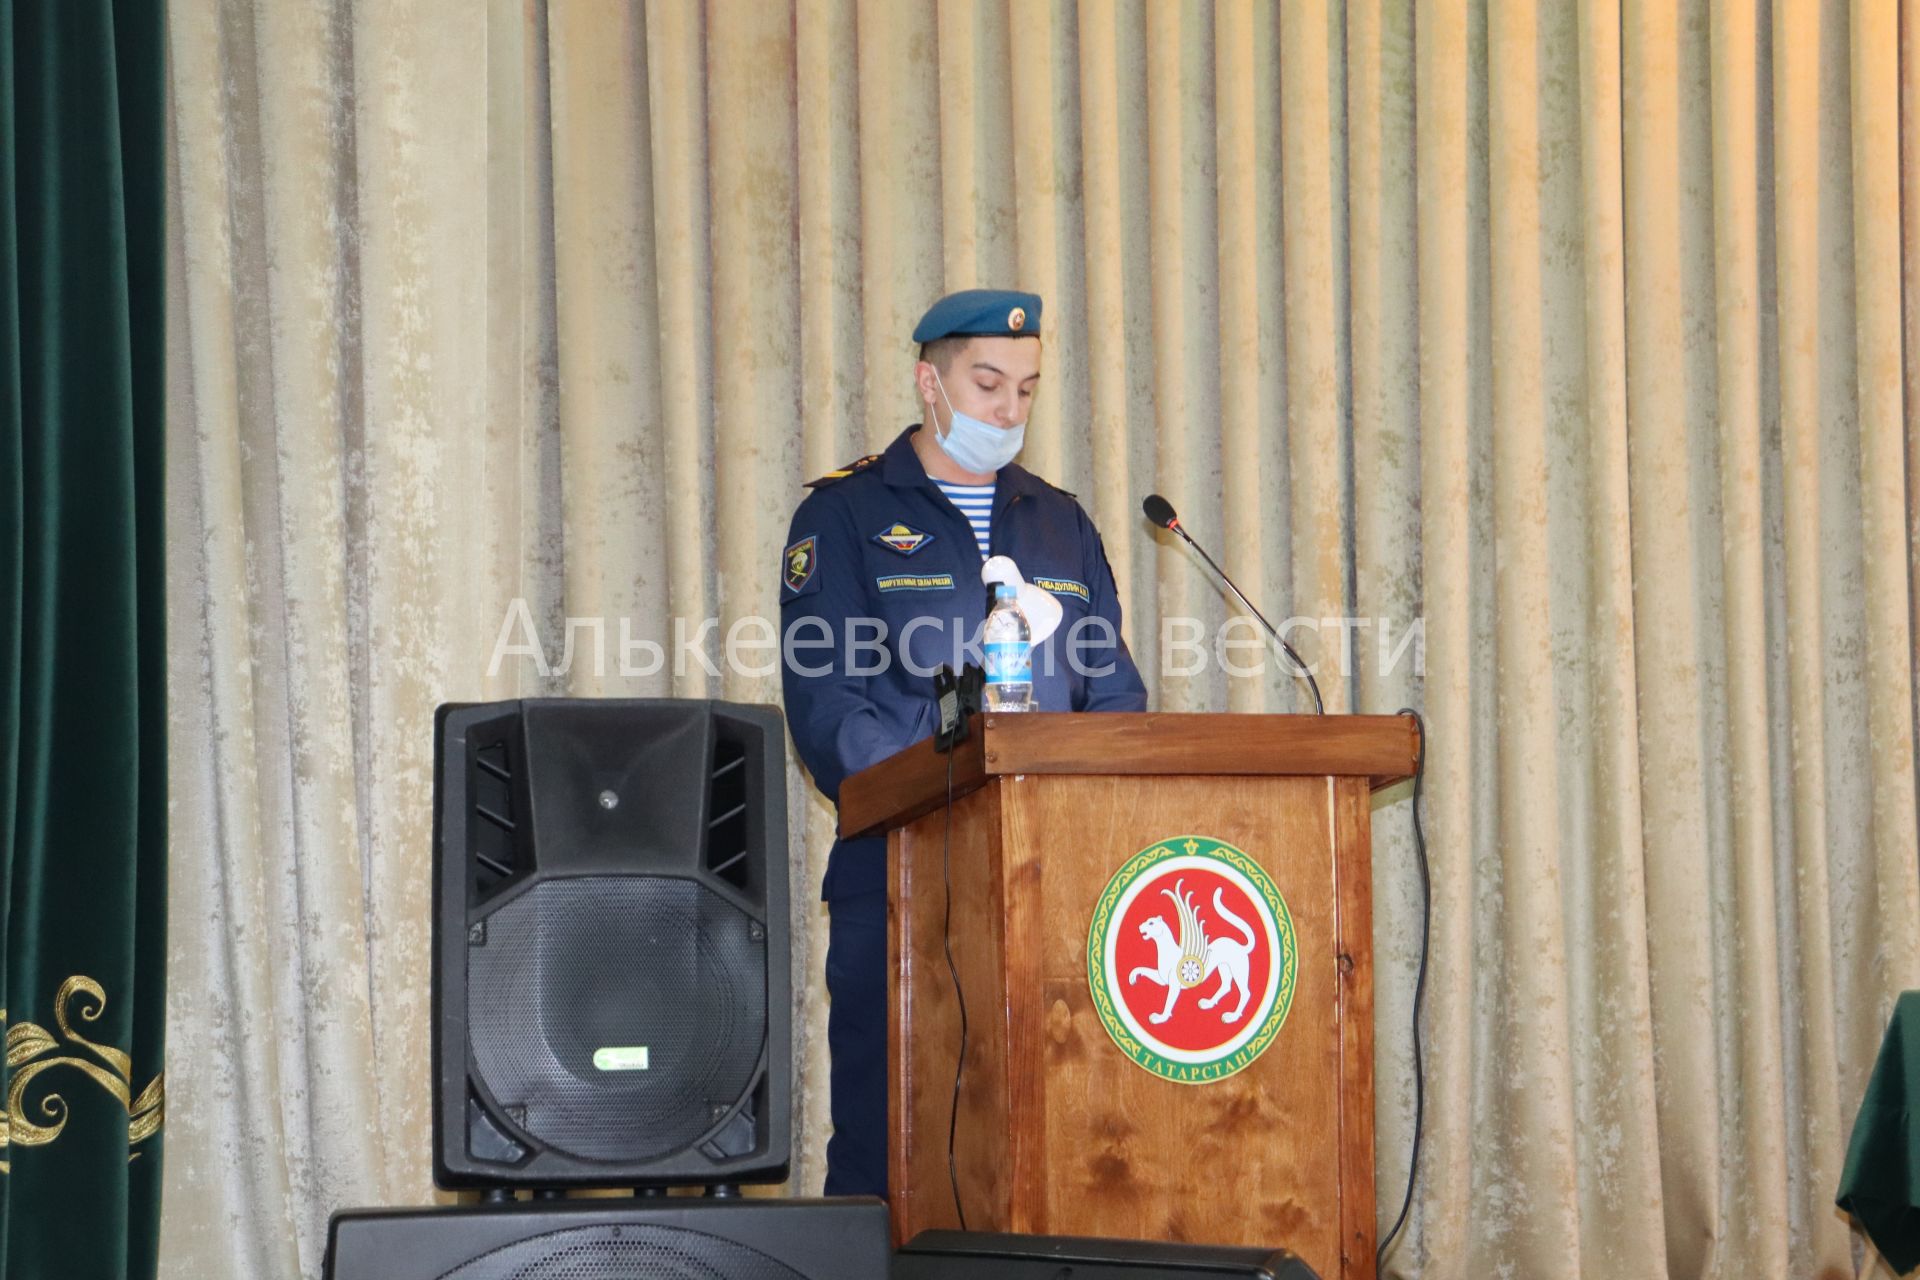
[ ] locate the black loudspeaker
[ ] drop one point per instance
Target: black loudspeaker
(676, 1239)
(611, 980)
(970, 1255)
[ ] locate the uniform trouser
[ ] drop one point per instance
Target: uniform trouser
(857, 1041)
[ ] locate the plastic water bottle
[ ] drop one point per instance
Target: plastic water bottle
(1008, 647)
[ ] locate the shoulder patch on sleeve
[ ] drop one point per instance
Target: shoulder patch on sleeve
(842, 472)
(799, 561)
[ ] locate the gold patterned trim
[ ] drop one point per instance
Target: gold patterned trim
(27, 1056)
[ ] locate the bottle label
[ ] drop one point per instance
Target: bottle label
(1009, 661)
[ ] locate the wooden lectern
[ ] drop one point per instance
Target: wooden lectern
(1098, 878)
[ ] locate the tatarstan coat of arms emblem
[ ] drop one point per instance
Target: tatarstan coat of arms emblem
(1191, 959)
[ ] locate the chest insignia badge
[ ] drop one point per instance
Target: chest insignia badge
(899, 537)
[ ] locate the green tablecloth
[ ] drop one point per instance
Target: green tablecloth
(1880, 1185)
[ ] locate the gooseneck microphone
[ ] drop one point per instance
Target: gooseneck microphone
(1161, 512)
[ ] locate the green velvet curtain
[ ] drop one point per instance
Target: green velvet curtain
(83, 818)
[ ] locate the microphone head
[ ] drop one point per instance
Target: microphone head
(1160, 511)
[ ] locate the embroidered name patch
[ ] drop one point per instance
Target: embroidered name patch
(1064, 587)
(915, 582)
(799, 563)
(901, 538)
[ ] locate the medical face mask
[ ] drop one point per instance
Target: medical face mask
(976, 446)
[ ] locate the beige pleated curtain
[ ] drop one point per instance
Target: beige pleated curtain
(1577, 333)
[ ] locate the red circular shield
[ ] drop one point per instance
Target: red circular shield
(1140, 958)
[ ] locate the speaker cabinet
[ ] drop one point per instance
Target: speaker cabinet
(968, 1255)
(610, 977)
(678, 1239)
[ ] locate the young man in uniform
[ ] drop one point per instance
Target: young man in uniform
(880, 585)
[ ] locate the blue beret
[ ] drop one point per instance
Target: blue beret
(981, 313)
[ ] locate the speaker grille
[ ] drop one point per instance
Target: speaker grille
(625, 1253)
(617, 1018)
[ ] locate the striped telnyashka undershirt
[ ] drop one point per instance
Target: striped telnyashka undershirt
(976, 504)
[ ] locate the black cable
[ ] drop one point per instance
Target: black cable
(946, 943)
(1419, 984)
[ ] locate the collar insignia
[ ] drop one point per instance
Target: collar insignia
(898, 537)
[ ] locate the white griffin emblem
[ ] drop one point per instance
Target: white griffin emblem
(1194, 957)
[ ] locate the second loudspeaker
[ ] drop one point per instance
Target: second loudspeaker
(611, 986)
